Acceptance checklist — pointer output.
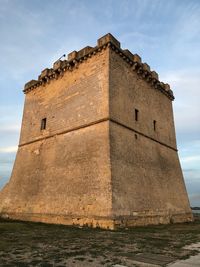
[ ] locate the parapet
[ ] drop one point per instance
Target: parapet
(108, 41)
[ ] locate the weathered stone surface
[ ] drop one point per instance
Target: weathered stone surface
(167, 87)
(83, 52)
(137, 58)
(108, 38)
(44, 73)
(72, 55)
(95, 164)
(128, 54)
(29, 84)
(59, 64)
(154, 75)
(146, 67)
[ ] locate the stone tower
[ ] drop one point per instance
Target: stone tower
(97, 145)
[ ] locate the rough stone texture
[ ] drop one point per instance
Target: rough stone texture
(78, 98)
(94, 164)
(147, 180)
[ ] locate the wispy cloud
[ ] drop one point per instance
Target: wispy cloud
(10, 128)
(192, 174)
(9, 149)
(195, 159)
(10, 123)
(185, 83)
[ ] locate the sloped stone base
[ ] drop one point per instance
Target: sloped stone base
(101, 222)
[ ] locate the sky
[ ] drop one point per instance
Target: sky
(166, 34)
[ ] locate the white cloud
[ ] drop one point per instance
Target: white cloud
(185, 84)
(10, 128)
(9, 149)
(190, 159)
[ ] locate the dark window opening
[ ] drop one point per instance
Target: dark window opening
(154, 125)
(136, 114)
(136, 136)
(43, 124)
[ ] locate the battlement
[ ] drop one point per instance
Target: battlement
(106, 42)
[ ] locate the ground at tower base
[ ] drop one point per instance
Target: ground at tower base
(37, 244)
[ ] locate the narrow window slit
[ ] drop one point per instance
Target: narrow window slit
(154, 125)
(136, 114)
(43, 124)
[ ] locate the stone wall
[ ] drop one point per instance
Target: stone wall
(74, 99)
(129, 91)
(94, 163)
(147, 179)
(67, 175)
(62, 174)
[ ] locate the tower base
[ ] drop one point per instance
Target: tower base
(102, 222)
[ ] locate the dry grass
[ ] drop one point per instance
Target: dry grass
(35, 244)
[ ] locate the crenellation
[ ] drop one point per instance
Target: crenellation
(108, 38)
(84, 52)
(30, 84)
(44, 73)
(59, 65)
(146, 67)
(167, 87)
(157, 85)
(72, 55)
(137, 58)
(77, 57)
(154, 75)
(162, 85)
(171, 94)
(128, 54)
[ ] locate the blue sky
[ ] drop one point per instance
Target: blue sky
(166, 34)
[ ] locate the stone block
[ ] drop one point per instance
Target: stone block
(154, 75)
(85, 51)
(128, 54)
(108, 38)
(167, 87)
(146, 67)
(30, 84)
(44, 73)
(137, 58)
(59, 64)
(72, 55)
